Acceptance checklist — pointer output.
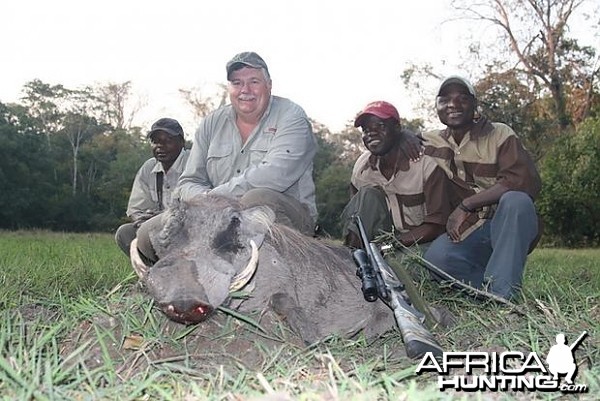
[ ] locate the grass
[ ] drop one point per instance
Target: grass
(68, 280)
(46, 264)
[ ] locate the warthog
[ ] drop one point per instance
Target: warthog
(212, 246)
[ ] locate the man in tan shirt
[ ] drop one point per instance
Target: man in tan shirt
(391, 191)
(156, 179)
(258, 149)
(494, 226)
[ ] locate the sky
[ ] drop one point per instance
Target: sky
(330, 57)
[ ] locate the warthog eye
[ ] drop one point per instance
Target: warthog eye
(227, 240)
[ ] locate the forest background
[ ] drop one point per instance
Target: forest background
(70, 154)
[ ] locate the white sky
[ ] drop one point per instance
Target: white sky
(331, 57)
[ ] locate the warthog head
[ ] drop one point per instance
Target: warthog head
(206, 250)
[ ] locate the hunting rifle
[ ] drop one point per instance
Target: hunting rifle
(379, 281)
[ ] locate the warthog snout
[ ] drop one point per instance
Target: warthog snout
(187, 311)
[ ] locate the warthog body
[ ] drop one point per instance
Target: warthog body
(204, 246)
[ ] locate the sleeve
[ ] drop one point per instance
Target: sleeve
(516, 169)
(438, 203)
(289, 155)
(140, 199)
(361, 164)
(194, 179)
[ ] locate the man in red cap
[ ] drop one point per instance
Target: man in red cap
(391, 191)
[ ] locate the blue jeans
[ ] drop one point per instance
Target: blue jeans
(494, 255)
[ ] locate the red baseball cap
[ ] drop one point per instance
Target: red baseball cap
(380, 108)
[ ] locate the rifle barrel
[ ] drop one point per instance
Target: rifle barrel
(579, 339)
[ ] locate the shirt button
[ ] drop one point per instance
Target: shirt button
(458, 152)
(238, 171)
(242, 151)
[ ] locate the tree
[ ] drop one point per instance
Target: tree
(80, 125)
(43, 103)
(570, 198)
(116, 108)
(202, 102)
(504, 97)
(413, 78)
(535, 32)
(114, 160)
(331, 174)
(25, 170)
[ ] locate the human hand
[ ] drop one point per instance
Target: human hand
(141, 217)
(412, 145)
(455, 221)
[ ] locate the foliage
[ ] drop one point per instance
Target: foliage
(505, 96)
(332, 178)
(535, 34)
(25, 171)
(65, 167)
(570, 199)
(333, 192)
(203, 101)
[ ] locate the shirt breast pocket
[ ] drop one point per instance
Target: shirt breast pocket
(413, 215)
(259, 149)
(219, 150)
(218, 161)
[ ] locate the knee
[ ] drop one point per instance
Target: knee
(125, 232)
(437, 252)
(371, 194)
(124, 235)
(119, 233)
(258, 196)
(516, 202)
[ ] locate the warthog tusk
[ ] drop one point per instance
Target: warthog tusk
(242, 278)
(136, 261)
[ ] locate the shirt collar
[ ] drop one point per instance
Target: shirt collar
(482, 127)
(178, 165)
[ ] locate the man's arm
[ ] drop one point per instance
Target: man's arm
(516, 172)
(140, 203)
(290, 153)
(194, 179)
(412, 145)
(426, 232)
(470, 205)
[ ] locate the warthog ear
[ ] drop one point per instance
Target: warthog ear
(255, 222)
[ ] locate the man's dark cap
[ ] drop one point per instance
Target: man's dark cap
(455, 79)
(168, 125)
(249, 59)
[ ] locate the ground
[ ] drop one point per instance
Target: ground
(131, 335)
